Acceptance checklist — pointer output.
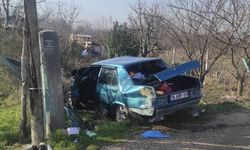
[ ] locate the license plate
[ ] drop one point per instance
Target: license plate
(179, 96)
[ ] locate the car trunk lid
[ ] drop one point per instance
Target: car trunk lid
(178, 70)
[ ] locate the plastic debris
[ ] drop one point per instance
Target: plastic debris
(84, 53)
(73, 130)
(49, 147)
(90, 133)
(76, 140)
(154, 134)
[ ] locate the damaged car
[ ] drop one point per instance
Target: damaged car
(128, 86)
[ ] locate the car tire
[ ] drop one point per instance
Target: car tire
(121, 113)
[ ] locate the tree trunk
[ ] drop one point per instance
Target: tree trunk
(240, 86)
(36, 106)
(173, 56)
(24, 82)
(6, 6)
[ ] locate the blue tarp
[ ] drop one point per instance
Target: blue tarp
(154, 134)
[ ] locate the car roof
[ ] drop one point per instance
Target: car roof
(124, 61)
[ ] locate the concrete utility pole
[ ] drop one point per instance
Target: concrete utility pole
(51, 81)
(37, 129)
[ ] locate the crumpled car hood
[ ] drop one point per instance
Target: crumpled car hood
(178, 70)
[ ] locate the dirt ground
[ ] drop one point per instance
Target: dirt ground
(226, 131)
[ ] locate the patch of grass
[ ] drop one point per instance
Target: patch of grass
(107, 133)
(246, 105)
(224, 107)
(9, 118)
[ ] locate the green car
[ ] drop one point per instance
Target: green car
(135, 86)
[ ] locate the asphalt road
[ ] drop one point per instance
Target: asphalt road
(230, 131)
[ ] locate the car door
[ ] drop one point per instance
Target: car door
(107, 86)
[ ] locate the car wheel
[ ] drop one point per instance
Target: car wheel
(121, 113)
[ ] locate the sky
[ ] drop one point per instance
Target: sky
(95, 9)
(98, 11)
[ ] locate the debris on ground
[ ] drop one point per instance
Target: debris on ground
(90, 133)
(73, 131)
(76, 123)
(74, 118)
(155, 134)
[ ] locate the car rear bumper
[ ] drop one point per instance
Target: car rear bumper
(188, 104)
(153, 112)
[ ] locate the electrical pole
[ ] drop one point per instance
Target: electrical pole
(36, 105)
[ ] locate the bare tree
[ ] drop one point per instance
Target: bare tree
(6, 7)
(235, 17)
(191, 30)
(217, 26)
(146, 24)
(240, 44)
(62, 19)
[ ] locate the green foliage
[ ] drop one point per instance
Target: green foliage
(122, 41)
(71, 57)
(76, 48)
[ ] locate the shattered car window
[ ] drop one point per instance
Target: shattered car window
(108, 76)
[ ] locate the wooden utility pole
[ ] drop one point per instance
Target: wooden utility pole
(36, 107)
(24, 82)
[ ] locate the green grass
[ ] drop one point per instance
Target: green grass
(9, 118)
(109, 132)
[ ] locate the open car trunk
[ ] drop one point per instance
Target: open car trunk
(180, 83)
(175, 84)
(172, 80)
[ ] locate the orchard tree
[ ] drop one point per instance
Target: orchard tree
(145, 20)
(220, 26)
(122, 41)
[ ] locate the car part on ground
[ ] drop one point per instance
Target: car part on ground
(121, 113)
